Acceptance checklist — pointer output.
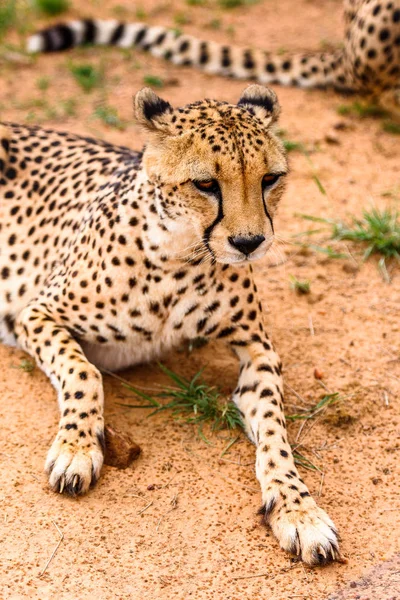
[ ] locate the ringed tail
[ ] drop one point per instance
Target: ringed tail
(319, 69)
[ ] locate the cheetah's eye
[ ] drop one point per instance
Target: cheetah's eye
(269, 179)
(210, 186)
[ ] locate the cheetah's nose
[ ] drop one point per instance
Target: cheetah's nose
(247, 245)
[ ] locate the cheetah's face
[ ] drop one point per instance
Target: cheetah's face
(218, 171)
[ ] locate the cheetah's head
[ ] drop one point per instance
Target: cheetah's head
(218, 171)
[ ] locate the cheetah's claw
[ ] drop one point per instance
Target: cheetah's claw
(72, 471)
(305, 532)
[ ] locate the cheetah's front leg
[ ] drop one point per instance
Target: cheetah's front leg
(301, 527)
(76, 455)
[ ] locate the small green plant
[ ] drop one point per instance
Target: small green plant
(193, 401)
(181, 18)
(214, 24)
(322, 405)
(27, 366)
(52, 7)
(140, 13)
(196, 2)
(8, 15)
(328, 251)
(87, 76)
(43, 83)
(291, 146)
(231, 3)
(391, 127)
(302, 461)
(362, 110)
(378, 230)
(227, 4)
(109, 116)
(120, 11)
(68, 107)
(319, 184)
(153, 81)
(300, 287)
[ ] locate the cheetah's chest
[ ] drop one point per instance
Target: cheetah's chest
(155, 322)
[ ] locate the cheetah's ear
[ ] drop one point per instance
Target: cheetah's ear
(261, 102)
(150, 110)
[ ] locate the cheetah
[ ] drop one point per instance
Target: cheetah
(110, 257)
(369, 61)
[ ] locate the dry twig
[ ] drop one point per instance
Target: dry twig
(55, 549)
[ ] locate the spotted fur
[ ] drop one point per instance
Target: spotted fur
(110, 257)
(369, 60)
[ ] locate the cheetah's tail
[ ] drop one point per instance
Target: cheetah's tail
(305, 70)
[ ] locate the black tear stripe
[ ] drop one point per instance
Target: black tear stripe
(210, 228)
(266, 211)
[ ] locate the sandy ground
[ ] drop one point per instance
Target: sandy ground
(181, 522)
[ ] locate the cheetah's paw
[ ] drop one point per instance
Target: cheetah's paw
(305, 531)
(72, 466)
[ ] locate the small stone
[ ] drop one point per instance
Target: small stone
(332, 138)
(341, 125)
(350, 267)
(121, 451)
(318, 374)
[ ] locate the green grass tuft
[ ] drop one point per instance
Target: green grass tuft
(86, 76)
(109, 116)
(52, 7)
(378, 230)
(391, 127)
(153, 81)
(291, 146)
(227, 4)
(181, 18)
(214, 24)
(43, 83)
(27, 366)
(362, 110)
(300, 287)
(8, 15)
(302, 461)
(310, 413)
(193, 401)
